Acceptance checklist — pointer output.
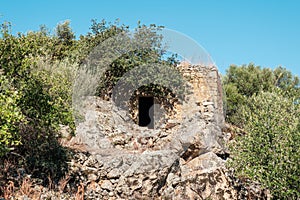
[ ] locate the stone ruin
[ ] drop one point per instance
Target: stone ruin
(181, 158)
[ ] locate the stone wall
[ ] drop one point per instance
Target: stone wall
(180, 159)
(206, 88)
(203, 94)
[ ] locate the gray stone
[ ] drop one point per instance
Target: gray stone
(114, 173)
(92, 177)
(107, 185)
(175, 160)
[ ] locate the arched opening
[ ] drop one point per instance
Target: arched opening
(150, 106)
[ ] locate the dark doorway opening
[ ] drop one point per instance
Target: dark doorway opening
(146, 111)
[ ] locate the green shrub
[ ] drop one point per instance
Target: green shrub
(241, 82)
(10, 116)
(57, 80)
(269, 152)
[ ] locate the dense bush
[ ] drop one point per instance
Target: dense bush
(241, 82)
(35, 98)
(10, 116)
(268, 152)
(150, 51)
(52, 83)
(36, 94)
(265, 104)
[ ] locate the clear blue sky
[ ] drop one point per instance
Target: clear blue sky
(266, 33)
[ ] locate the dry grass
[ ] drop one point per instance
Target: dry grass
(8, 190)
(26, 187)
(63, 183)
(74, 143)
(80, 192)
(17, 187)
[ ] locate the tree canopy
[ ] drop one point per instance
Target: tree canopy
(265, 104)
(242, 82)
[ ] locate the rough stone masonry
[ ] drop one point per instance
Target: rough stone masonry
(178, 160)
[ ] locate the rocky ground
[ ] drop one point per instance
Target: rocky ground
(113, 158)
